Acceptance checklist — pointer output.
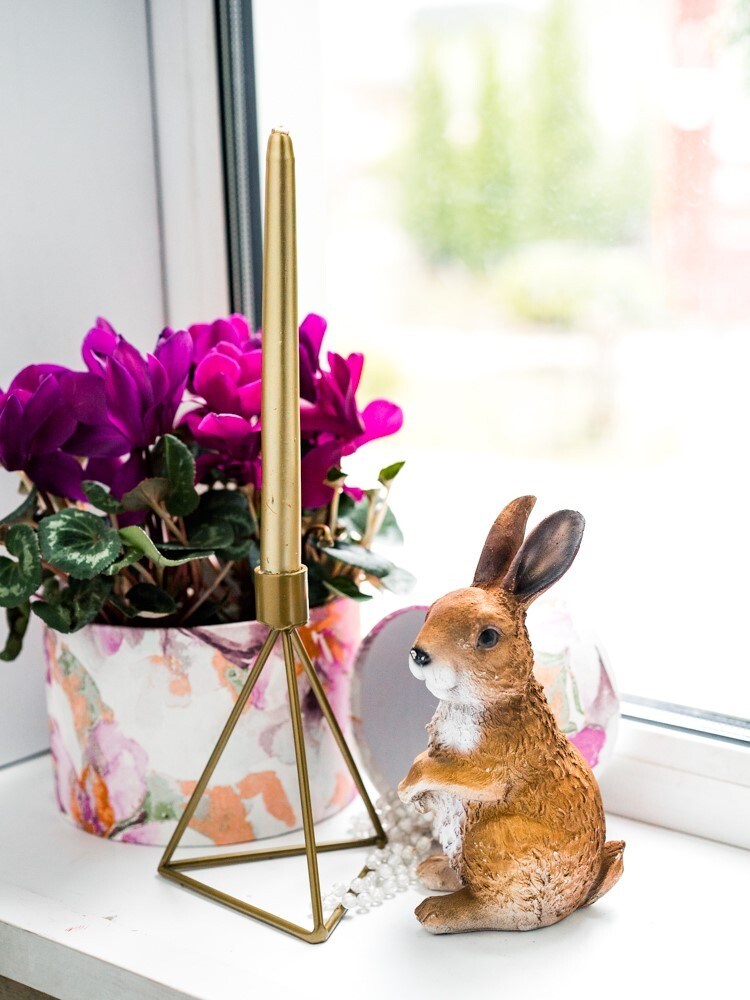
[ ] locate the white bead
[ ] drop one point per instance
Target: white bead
(424, 844)
(406, 824)
(389, 884)
(330, 903)
(408, 854)
(349, 900)
(364, 899)
(338, 890)
(357, 884)
(376, 896)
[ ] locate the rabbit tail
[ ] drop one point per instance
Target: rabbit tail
(609, 872)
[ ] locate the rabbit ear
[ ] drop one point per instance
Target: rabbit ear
(545, 555)
(503, 541)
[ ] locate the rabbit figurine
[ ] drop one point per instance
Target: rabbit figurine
(516, 807)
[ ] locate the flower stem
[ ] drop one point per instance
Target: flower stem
(208, 591)
(177, 531)
(143, 572)
(376, 516)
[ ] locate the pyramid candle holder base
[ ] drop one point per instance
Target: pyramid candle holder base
(281, 604)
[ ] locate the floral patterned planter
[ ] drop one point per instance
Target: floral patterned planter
(135, 712)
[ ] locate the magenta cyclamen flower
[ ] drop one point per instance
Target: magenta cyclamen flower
(59, 426)
(37, 420)
(232, 330)
(227, 380)
(135, 399)
(227, 377)
(333, 426)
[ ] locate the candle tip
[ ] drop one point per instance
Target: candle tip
(280, 145)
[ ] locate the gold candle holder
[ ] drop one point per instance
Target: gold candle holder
(281, 579)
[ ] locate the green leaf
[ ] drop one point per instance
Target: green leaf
(224, 508)
(56, 616)
(398, 581)
(184, 552)
(347, 504)
(136, 538)
(354, 517)
(87, 598)
(357, 555)
(335, 476)
(343, 586)
(213, 535)
(122, 606)
(19, 577)
(25, 510)
(147, 495)
(70, 608)
(98, 496)
(78, 542)
(18, 620)
(389, 473)
(173, 461)
(389, 530)
(129, 557)
(145, 598)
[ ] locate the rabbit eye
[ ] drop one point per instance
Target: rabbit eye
(488, 638)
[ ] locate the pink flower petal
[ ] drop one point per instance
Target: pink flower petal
(223, 428)
(315, 466)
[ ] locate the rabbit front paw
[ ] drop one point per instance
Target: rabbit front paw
(423, 802)
(411, 786)
(407, 791)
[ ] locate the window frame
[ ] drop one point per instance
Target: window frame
(684, 778)
(241, 152)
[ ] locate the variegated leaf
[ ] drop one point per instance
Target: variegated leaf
(19, 576)
(78, 542)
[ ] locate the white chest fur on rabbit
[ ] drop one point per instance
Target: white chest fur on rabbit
(455, 727)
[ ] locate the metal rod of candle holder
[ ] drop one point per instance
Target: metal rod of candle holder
(280, 580)
(177, 870)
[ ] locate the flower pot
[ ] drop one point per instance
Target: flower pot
(135, 712)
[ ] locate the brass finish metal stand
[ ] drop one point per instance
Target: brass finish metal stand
(282, 605)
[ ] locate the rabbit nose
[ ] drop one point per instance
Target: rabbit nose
(420, 657)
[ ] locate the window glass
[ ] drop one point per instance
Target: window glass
(534, 218)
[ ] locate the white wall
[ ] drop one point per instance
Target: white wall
(80, 227)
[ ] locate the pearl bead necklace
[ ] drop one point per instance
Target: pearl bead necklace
(391, 869)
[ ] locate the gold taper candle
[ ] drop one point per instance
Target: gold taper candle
(281, 512)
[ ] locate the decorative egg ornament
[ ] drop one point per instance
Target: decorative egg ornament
(389, 712)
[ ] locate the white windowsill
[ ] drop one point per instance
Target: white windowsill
(85, 919)
(684, 781)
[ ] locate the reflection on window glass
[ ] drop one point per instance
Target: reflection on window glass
(536, 224)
